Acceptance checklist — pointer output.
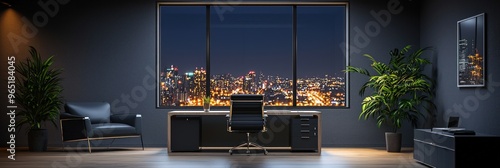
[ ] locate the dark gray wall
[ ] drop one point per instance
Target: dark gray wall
(107, 50)
(341, 126)
(477, 107)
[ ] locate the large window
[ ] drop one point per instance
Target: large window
(250, 53)
(291, 53)
(320, 79)
(182, 55)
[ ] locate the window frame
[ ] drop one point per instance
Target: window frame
(294, 48)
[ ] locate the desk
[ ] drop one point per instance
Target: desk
(288, 131)
(439, 149)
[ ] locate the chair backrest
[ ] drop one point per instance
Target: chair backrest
(247, 112)
(98, 112)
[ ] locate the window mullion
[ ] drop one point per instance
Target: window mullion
(207, 77)
(294, 54)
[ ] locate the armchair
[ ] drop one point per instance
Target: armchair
(246, 115)
(86, 121)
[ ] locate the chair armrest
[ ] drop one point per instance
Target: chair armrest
(67, 116)
(134, 120)
(129, 119)
(75, 127)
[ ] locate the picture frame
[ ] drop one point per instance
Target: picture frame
(471, 51)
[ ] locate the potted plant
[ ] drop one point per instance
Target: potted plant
(400, 91)
(206, 103)
(38, 96)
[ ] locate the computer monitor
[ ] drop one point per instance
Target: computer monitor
(453, 122)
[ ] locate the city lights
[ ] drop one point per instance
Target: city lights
(188, 89)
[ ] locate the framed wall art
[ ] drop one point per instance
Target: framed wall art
(471, 51)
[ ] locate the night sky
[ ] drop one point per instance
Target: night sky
(257, 38)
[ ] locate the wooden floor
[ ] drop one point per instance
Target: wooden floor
(158, 157)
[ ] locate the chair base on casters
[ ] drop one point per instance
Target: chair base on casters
(248, 144)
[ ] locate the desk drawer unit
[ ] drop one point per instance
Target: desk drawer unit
(185, 133)
(304, 133)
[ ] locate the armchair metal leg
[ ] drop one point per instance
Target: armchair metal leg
(142, 143)
(88, 143)
(62, 137)
(62, 144)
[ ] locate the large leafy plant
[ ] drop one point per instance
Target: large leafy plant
(400, 88)
(38, 90)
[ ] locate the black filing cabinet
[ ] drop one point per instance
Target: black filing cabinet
(440, 149)
(304, 133)
(185, 133)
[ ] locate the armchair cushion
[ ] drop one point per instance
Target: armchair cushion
(112, 129)
(98, 112)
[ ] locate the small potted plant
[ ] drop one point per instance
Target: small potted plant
(206, 103)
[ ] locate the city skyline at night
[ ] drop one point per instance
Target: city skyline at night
(189, 88)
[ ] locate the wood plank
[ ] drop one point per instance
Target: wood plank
(158, 157)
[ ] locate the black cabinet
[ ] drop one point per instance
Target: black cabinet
(185, 133)
(440, 149)
(304, 133)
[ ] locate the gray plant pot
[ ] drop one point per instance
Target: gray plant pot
(393, 142)
(37, 140)
(206, 107)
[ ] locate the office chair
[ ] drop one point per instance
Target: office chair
(247, 116)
